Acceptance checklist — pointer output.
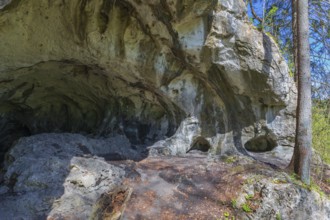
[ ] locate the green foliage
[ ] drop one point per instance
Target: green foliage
(278, 21)
(234, 203)
(328, 181)
(321, 130)
(314, 187)
(230, 159)
(246, 208)
(278, 216)
(248, 197)
(269, 17)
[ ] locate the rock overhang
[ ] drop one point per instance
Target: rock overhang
(141, 68)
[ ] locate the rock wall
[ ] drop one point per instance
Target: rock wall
(142, 68)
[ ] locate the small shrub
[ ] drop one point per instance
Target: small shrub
(246, 208)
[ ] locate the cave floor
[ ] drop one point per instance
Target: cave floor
(195, 186)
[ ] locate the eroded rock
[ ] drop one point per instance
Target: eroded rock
(60, 176)
(141, 68)
(154, 77)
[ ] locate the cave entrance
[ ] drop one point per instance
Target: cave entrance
(200, 144)
(260, 144)
(10, 131)
(71, 97)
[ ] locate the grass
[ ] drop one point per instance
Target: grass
(313, 187)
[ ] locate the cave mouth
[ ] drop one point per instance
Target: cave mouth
(200, 144)
(259, 144)
(70, 97)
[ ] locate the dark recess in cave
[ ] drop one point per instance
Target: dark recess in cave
(260, 144)
(76, 98)
(201, 144)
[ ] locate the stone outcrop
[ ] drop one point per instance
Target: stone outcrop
(99, 85)
(142, 68)
(57, 176)
(66, 176)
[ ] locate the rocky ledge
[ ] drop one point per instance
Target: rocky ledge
(69, 176)
(141, 69)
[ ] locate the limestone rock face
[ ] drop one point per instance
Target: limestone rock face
(140, 68)
(56, 176)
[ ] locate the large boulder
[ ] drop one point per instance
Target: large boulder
(57, 176)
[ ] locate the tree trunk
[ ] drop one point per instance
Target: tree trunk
(303, 146)
(294, 43)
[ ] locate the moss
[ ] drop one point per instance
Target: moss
(238, 169)
(12, 5)
(312, 187)
(230, 159)
(316, 188)
(271, 36)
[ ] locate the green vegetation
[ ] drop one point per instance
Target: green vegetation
(312, 187)
(230, 159)
(279, 181)
(246, 208)
(278, 216)
(234, 203)
(321, 130)
(248, 197)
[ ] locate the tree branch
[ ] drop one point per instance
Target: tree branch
(254, 13)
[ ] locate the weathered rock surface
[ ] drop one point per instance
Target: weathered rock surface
(54, 176)
(142, 79)
(140, 68)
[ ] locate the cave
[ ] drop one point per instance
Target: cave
(68, 96)
(91, 90)
(261, 143)
(200, 144)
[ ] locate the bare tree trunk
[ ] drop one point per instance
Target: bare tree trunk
(295, 62)
(295, 31)
(303, 146)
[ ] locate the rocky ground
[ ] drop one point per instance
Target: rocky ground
(60, 176)
(197, 186)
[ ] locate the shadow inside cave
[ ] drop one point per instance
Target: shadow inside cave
(76, 116)
(77, 98)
